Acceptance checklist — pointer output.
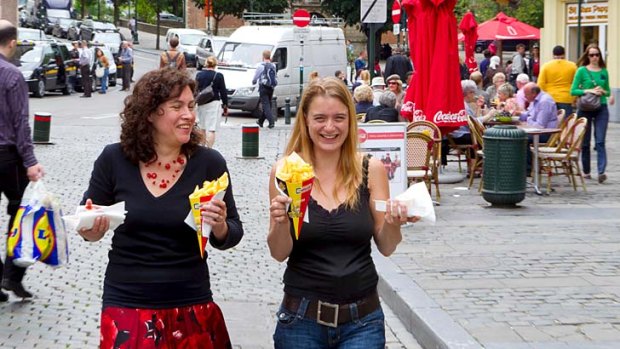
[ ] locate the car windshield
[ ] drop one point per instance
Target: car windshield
(29, 54)
(191, 39)
(99, 25)
(242, 54)
(65, 21)
(217, 45)
(30, 35)
(108, 38)
(58, 13)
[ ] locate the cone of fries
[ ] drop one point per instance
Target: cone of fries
(294, 178)
(215, 189)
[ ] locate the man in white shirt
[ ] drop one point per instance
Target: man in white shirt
(86, 59)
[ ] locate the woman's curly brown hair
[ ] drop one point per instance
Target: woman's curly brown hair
(150, 92)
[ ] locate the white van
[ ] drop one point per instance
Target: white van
(188, 41)
(324, 51)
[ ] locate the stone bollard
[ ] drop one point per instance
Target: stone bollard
(287, 111)
(41, 128)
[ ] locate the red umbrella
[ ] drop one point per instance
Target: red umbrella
(435, 91)
(468, 27)
(503, 27)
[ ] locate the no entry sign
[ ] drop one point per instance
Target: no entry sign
(396, 12)
(301, 18)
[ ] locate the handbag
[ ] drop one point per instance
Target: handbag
(589, 101)
(207, 94)
(99, 71)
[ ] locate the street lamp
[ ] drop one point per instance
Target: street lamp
(578, 28)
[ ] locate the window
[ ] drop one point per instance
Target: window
(280, 58)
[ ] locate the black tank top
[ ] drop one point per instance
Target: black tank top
(331, 260)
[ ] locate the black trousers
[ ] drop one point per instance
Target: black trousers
(13, 182)
(265, 95)
(127, 71)
(87, 84)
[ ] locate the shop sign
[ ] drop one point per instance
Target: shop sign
(594, 12)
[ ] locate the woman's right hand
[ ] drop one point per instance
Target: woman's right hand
(277, 209)
(99, 228)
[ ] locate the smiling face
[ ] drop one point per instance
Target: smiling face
(174, 121)
(328, 123)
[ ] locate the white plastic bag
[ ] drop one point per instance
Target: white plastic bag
(418, 202)
(38, 232)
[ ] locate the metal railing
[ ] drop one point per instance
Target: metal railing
(259, 18)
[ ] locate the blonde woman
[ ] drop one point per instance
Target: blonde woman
(331, 261)
(210, 114)
(507, 101)
(498, 80)
(363, 98)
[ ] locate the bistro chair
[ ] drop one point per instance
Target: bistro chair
(431, 130)
(419, 149)
(558, 140)
(566, 161)
(360, 117)
(476, 131)
(377, 122)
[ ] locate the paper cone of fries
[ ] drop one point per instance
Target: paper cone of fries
(294, 178)
(210, 190)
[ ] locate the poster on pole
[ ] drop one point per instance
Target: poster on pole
(387, 143)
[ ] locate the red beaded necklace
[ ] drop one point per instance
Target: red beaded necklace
(163, 174)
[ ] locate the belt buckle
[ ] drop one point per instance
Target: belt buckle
(335, 307)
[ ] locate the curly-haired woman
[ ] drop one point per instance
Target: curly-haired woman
(156, 291)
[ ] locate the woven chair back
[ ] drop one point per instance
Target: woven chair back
(419, 147)
(422, 126)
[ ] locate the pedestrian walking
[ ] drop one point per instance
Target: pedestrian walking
(592, 77)
(156, 291)
(86, 59)
(556, 78)
(265, 76)
(519, 65)
(330, 282)
(18, 164)
(398, 64)
(126, 57)
(210, 114)
(133, 27)
(102, 63)
(172, 57)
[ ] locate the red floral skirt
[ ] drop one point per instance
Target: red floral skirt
(199, 326)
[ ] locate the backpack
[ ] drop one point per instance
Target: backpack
(172, 62)
(268, 77)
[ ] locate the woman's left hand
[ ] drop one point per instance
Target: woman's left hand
(396, 213)
(214, 213)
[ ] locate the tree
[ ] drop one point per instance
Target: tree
(527, 11)
(236, 8)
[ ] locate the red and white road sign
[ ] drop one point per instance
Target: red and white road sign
(301, 18)
(396, 12)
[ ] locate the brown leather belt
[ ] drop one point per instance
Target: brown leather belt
(330, 314)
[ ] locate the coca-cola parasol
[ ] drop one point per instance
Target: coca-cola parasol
(468, 27)
(435, 92)
(503, 27)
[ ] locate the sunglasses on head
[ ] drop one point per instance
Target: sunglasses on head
(594, 54)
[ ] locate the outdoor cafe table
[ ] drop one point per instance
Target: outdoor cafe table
(536, 132)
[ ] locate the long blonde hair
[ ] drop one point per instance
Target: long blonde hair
(349, 172)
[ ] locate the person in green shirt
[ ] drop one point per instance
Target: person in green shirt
(593, 77)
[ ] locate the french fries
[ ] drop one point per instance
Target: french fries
(294, 178)
(203, 195)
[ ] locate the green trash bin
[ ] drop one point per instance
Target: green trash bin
(504, 169)
(249, 141)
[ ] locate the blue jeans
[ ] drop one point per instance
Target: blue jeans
(567, 107)
(599, 118)
(104, 80)
(293, 330)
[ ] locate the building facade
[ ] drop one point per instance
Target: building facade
(8, 10)
(600, 24)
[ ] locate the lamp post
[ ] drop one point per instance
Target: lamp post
(578, 28)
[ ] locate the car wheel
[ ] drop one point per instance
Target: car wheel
(40, 91)
(198, 65)
(478, 49)
(112, 80)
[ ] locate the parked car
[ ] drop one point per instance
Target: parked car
(188, 41)
(112, 72)
(73, 33)
(61, 27)
(507, 45)
(111, 39)
(27, 34)
(46, 66)
(164, 16)
(209, 46)
(89, 27)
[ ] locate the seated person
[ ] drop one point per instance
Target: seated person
(386, 110)
(363, 99)
(461, 135)
(542, 113)
(507, 101)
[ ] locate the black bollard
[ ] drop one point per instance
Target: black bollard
(287, 111)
